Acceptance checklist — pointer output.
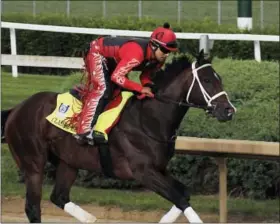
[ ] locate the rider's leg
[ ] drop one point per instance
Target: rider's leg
(96, 135)
(94, 102)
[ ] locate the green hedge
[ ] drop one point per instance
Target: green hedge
(64, 44)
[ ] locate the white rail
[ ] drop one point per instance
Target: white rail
(113, 32)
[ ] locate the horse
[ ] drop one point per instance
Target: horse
(141, 143)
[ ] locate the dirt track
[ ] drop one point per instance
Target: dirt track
(12, 210)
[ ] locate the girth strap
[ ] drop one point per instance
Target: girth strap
(106, 160)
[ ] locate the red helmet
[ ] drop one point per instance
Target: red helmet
(165, 37)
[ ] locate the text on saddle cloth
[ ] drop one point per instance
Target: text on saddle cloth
(68, 105)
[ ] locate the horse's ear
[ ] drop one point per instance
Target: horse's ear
(200, 57)
(201, 53)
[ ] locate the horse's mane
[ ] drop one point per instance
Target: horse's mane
(178, 64)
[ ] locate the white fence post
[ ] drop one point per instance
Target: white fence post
(262, 11)
(139, 9)
(34, 8)
(257, 50)
(68, 8)
(204, 44)
(1, 6)
(13, 50)
(179, 11)
(219, 12)
(104, 8)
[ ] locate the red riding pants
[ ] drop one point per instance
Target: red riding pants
(98, 90)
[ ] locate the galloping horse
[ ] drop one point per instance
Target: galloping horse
(141, 144)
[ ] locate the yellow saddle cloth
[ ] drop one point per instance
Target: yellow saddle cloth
(67, 105)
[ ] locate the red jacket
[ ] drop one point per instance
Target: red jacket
(128, 54)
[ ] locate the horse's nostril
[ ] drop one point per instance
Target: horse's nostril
(230, 111)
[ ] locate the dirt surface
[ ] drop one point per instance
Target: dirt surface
(12, 210)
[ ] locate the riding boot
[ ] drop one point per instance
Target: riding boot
(88, 120)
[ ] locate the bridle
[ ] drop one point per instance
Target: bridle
(208, 99)
(206, 96)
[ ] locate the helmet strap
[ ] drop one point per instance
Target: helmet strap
(154, 46)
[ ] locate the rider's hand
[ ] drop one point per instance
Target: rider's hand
(141, 97)
(147, 92)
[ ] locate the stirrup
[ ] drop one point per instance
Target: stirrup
(99, 137)
(84, 138)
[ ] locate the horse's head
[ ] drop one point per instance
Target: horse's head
(205, 89)
(194, 84)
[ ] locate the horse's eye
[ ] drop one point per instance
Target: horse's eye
(206, 80)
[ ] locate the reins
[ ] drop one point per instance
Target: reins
(178, 103)
(167, 101)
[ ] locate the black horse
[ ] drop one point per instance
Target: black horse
(141, 144)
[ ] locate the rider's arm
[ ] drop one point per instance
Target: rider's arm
(145, 76)
(131, 56)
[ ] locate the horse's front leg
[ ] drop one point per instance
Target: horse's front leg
(172, 215)
(65, 178)
(165, 185)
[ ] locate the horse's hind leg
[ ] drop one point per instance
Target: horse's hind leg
(33, 182)
(31, 161)
(65, 177)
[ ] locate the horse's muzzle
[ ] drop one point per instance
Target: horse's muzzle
(221, 111)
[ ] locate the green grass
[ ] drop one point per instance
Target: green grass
(128, 200)
(26, 85)
(190, 10)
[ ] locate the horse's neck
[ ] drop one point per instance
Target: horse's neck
(170, 114)
(165, 116)
(161, 119)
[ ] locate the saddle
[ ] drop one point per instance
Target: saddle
(69, 104)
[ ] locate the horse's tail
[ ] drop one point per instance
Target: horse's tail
(4, 117)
